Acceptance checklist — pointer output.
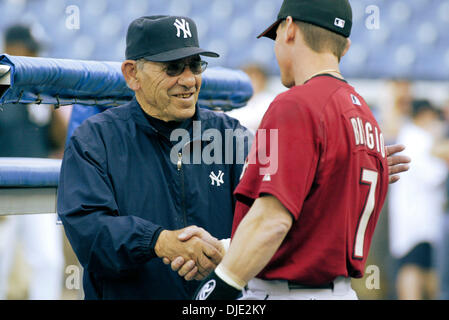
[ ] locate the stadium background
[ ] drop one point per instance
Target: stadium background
(391, 40)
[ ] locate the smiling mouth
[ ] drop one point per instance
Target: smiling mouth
(183, 95)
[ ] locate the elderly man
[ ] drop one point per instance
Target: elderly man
(126, 199)
(123, 199)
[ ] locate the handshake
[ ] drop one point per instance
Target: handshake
(191, 251)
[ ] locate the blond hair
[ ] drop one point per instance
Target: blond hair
(322, 40)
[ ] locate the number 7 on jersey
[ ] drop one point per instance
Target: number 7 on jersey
(369, 177)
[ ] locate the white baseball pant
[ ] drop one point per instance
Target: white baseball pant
(258, 289)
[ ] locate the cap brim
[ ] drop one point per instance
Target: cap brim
(180, 53)
(270, 32)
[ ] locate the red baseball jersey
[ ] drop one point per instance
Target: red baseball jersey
(320, 152)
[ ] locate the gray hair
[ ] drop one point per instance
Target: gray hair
(140, 63)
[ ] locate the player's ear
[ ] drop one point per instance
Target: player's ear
(129, 70)
(348, 45)
(290, 29)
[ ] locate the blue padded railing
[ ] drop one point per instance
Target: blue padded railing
(29, 172)
(98, 83)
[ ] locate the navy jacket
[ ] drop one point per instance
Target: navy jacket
(119, 188)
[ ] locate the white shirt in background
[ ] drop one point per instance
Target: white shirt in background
(251, 115)
(416, 202)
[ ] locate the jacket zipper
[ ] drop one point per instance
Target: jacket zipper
(181, 172)
(179, 167)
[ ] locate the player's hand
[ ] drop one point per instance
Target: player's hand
(188, 269)
(396, 163)
(194, 231)
(193, 258)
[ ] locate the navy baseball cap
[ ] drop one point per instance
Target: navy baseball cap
(333, 15)
(419, 106)
(163, 38)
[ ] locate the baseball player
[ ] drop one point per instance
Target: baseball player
(304, 219)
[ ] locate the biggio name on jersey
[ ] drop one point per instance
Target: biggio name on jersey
(368, 135)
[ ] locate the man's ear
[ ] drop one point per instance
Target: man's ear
(129, 70)
(290, 29)
(348, 45)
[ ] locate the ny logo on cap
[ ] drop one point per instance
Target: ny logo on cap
(184, 26)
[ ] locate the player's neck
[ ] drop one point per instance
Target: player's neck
(311, 65)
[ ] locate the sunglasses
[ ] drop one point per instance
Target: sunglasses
(175, 68)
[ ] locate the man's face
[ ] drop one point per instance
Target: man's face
(281, 51)
(18, 49)
(169, 98)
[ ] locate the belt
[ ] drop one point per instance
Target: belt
(338, 285)
(294, 285)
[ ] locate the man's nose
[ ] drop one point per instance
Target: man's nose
(187, 78)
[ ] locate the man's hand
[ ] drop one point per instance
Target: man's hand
(398, 163)
(192, 251)
(194, 231)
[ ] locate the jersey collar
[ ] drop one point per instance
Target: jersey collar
(326, 75)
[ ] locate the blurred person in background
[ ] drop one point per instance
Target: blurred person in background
(398, 108)
(31, 131)
(416, 206)
(251, 115)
